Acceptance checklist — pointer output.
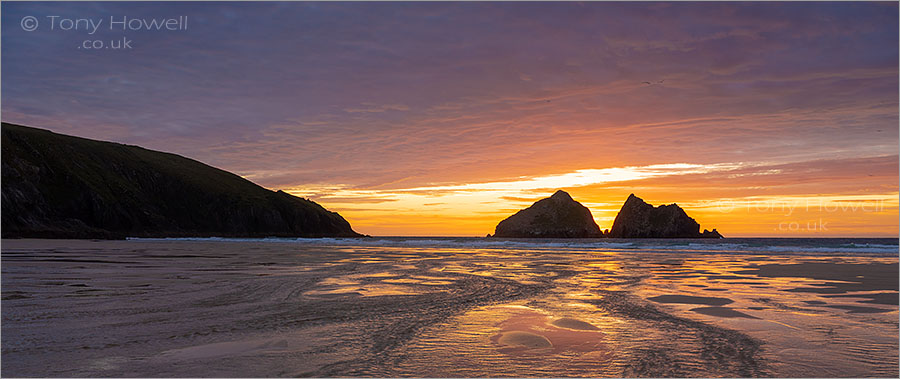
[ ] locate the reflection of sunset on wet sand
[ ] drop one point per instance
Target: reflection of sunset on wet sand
(452, 308)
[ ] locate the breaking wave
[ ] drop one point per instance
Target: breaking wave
(768, 246)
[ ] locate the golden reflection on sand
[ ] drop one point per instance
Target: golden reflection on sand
(529, 331)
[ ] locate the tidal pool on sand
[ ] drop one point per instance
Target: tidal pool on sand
(406, 308)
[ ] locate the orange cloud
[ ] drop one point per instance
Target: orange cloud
(744, 199)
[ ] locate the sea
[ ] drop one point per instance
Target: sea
(450, 307)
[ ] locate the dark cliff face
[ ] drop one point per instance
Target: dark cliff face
(57, 186)
(558, 216)
(638, 219)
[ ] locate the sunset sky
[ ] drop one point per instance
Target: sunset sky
(761, 119)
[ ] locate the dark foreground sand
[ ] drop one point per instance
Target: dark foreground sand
(185, 309)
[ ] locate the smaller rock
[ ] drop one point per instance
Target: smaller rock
(637, 219)
(710, 234)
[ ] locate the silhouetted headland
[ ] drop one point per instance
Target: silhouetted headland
(59, 186)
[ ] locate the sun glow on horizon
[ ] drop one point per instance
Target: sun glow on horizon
(577, 178)
(473, 209)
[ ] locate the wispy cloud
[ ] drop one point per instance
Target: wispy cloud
(374, 108)
(468, 98)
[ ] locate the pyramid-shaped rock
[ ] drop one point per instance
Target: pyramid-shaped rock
(558, 216)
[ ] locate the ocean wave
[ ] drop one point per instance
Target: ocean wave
(883, 249)
(742, 246)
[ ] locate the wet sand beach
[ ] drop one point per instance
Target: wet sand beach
(264, 308)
